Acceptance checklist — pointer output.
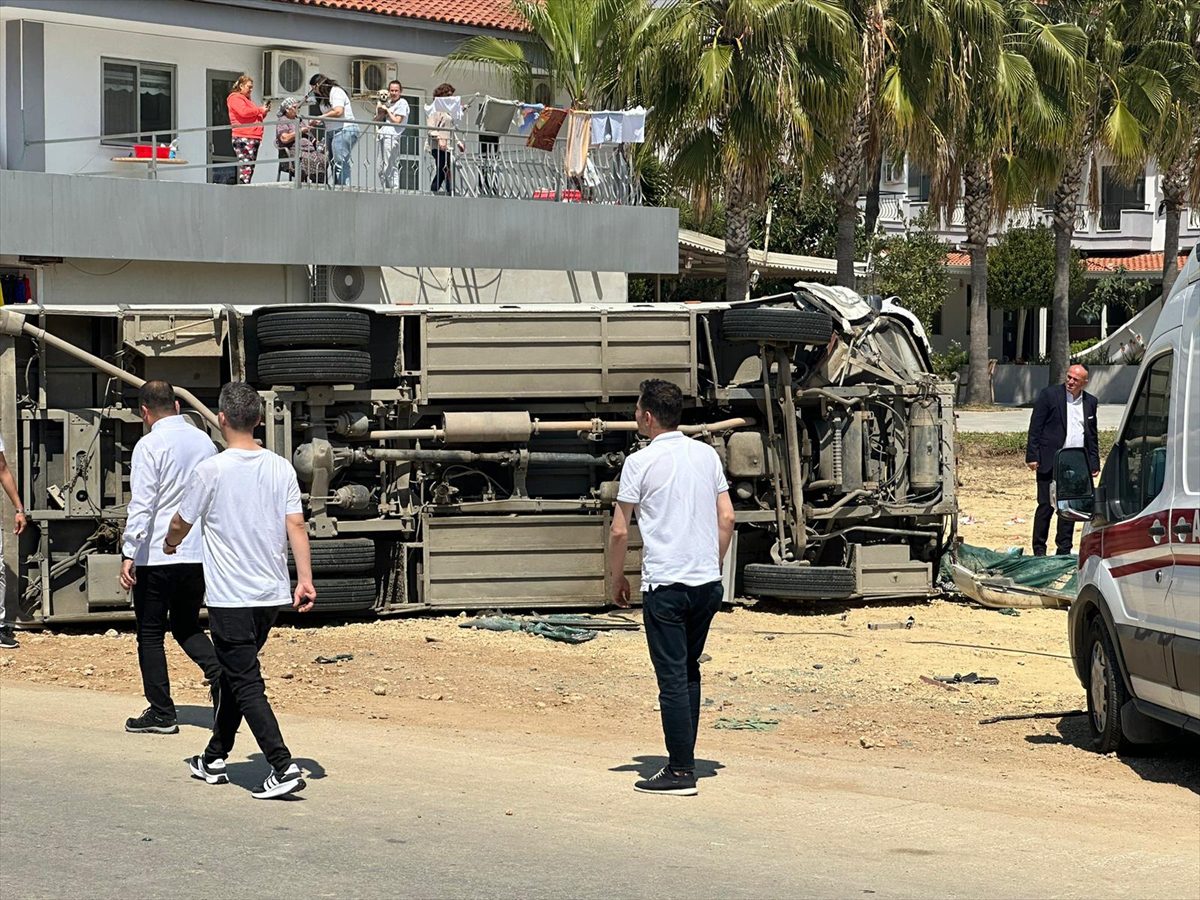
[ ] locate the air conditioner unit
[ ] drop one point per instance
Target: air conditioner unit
(370, 76)
(287, 72)
(345, 284)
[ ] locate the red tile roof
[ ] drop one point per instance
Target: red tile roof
(1140, 262)
(495, 14)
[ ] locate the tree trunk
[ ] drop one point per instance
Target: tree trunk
(1174, 188)
(977, 211)
(847, 179)
(737, 238)
(1066, 204)
(1022, 316)
(875, 175)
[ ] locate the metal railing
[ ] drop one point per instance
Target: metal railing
(476, 164)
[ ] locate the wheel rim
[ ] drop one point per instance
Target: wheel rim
(1099, 687)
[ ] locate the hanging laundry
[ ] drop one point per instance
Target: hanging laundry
(600, 119)
(579, 137)
(546, 128)
(451, 106)
(527, 115)
(496, 116)
(633, 126)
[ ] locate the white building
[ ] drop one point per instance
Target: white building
(1126, 232)
(85, 80)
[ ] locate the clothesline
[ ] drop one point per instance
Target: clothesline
(498, 116)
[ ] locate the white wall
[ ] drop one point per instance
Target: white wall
(78, 282)
(484, 286)
(73, 91)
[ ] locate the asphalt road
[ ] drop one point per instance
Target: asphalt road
(88, 811)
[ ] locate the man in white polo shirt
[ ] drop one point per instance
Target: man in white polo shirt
(248, 502)
(7, 641)
(168, 591)
(677, 487)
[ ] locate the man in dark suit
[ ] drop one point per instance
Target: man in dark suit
(1064, 415)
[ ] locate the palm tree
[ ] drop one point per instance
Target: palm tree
(902, 43)
(590, 48)
(1121, 104)
(1011, 77)
(1177, 144)
(737, 87)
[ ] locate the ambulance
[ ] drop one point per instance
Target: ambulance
(1135, 627)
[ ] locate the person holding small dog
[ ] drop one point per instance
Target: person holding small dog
(392, 111)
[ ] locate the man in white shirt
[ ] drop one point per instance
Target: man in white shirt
(394, 116)
(7, 641)
(247, 500)
(168, 591)
(1064, 415)
(677, 487)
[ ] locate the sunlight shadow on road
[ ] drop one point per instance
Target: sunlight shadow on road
(199, 716)
(1171, 763)
(648, 765)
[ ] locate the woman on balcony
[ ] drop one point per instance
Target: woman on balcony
(298, 140)
(341, 131)
(246, 118)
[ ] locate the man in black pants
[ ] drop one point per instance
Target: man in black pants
(1064, 415)
(677, 486)
(167, 590)
(249, 502)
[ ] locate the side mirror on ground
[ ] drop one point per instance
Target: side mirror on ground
(1075, 494)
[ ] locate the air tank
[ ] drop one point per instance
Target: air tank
(923, 441)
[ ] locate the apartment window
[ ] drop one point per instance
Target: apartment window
(1116, 195)
(137, 98)
(918, 183)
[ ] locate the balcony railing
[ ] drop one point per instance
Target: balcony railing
(1111, 222)
(476, 164)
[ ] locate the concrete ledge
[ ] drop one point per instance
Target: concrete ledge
(121, 218)
(1016, 385)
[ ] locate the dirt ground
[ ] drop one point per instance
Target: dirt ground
(817, 671)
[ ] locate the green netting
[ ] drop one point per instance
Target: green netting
(1057, 572)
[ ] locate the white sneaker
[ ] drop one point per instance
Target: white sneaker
(279, 784)
(213, 772)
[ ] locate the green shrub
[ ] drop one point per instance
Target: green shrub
(948, 363)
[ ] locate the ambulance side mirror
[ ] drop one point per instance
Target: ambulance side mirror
(1075, 495)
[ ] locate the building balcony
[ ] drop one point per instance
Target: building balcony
(510, 207)
(1112, 227)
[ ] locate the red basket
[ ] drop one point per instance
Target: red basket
(145, 151)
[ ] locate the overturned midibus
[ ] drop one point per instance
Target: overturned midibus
(462, 458)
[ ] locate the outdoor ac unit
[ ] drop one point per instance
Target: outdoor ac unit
(345, 284)
(286, 72)
(370, 76)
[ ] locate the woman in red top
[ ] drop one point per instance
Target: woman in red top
(244, 112)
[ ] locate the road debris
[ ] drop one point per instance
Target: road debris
(1008, 611)
(589, 622)
(561, 633)
(885, 626)
(969, 678)
(753, 723)
(1019, 717)
(328, 660)
(938, 684)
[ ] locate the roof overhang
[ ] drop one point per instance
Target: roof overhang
(703, 256)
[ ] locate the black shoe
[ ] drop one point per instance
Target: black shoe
(279, 784)
(7, 641)
(211, 772)
(668, 782)
(151, 722)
